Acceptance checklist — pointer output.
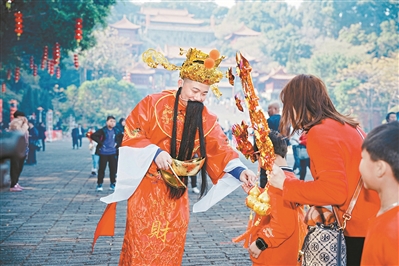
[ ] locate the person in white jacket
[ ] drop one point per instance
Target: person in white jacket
(19, 123)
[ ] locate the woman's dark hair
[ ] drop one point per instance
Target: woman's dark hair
(192, 125)
(382, 143)
(306, 103)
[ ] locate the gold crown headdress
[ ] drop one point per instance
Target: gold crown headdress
(198, 66)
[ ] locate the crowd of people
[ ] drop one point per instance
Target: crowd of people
(169, 130)
(171, 136)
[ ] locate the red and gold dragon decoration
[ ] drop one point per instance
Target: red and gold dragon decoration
(258, 199)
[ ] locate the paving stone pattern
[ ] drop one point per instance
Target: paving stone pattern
(53, 220)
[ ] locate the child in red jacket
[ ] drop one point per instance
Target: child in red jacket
(275, 239)
(380, 172)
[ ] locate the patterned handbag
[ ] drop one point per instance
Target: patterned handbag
(324, 245)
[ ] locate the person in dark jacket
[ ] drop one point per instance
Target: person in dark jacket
(121, 125)
(33, 138)
(42, 135)
(109, 139)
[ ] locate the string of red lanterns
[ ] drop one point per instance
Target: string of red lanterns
(78, 30)
(76, 61)
(35, 70)
(16, 76)
(58, 72)
(31, 62)
(56, 53)
(45, 60)
(18, 23)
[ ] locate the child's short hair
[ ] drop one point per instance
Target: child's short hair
(382, 143)
(279, 143)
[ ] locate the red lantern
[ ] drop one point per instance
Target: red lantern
(31, 62)
(3, 87)
(58, 72)
(56, 53)
(16, 76)
(9, 74)
(44, 58)
(35, 70)
(18, 23)
(78, 30)
(45, 53)
(50, 67)
(76, 61)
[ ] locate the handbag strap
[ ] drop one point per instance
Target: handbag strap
(348, 214)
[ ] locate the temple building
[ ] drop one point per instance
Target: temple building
(270, 85)
(242, 32)
(175, 27)
(130, 31)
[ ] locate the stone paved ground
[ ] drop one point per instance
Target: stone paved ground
(53, 220)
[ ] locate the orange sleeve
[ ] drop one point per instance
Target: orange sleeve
(138, 124)
(328, 157)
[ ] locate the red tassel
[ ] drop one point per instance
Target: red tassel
(252, 227)
(106, 225)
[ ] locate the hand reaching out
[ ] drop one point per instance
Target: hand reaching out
(248, 177)
(162, 160)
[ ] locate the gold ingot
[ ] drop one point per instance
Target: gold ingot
(187, 168)
(181, 168)
(172, 179)
(262, 208)
(264, 197)
(250, 201)
(254, 191)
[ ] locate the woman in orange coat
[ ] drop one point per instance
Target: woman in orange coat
(334, 147)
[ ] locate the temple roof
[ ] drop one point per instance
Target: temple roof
(163, 11)
(243, 31)
(164, 15)
(176, 19)
(278, 73)
(124, 23)
(141, 68)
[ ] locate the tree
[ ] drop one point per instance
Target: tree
(94, 100)
(110, 57)
(368, 87)
(46, 22)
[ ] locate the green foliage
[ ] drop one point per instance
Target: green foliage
(94, 100)
(345, 95)
(370, 85)
(110, 57)
(46, 22)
